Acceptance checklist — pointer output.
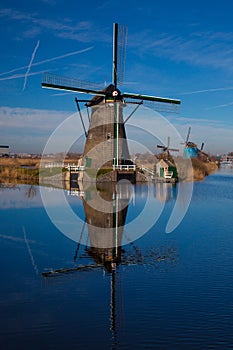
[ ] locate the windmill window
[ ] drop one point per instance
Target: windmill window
(108, 136)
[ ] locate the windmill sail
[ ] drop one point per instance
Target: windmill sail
(167, 148)
(58, 82)
(150, 98)
(121, 49)
(114, 61)
(161, 104)
(188, 134)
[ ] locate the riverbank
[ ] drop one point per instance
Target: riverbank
(202, 169)
(29, 171)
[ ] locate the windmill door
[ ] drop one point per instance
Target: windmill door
(161, 172)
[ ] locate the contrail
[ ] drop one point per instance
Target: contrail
(30, 64)
(17, 76)
(220, 106)
(48, 60)
(30, 252)
(15, 239)
(207, 90)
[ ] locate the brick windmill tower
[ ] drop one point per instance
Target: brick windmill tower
(106, 142)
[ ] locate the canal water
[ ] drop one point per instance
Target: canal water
(60, 289)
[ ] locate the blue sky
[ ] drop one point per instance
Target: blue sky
(174, 49)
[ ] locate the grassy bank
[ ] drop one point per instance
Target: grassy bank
(202, 169)
(24, 170)
(28, 170)
(11, 172)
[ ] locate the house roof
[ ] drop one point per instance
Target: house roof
(165, 162)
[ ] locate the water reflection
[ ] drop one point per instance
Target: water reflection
(106, 208)
(165, 192)
(158, 299)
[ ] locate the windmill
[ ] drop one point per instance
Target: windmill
(191, 149)
(106, 142)
(166, 150)
(165, 168)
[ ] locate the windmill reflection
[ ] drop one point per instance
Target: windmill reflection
(106, 207)
(106, 211)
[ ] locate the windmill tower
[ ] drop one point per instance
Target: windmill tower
(106, 142)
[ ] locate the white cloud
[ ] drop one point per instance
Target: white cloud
(28, 130)
(28, 118)
(217, 135)
(213, 49)
(83, 31)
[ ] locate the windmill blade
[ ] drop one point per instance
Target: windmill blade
(150, 98)
(159, 104)
(174, 149)
(119, 45)
(58, 82)
(54, 273)
(168, 141)
(205, 154)
(121, 49)
(114, 61)
(161, 107)
(159, 146)
(187, 137)
(202, 146)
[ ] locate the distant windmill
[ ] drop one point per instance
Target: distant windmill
(106, 142)
(191, 150)
(166, 149)
(187, 143)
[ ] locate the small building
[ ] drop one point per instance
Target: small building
(4, 151)
(166, 169)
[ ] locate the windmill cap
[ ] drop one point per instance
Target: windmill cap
(110, 93)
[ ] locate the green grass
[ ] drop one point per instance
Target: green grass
(97, 173)
(47, 172)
